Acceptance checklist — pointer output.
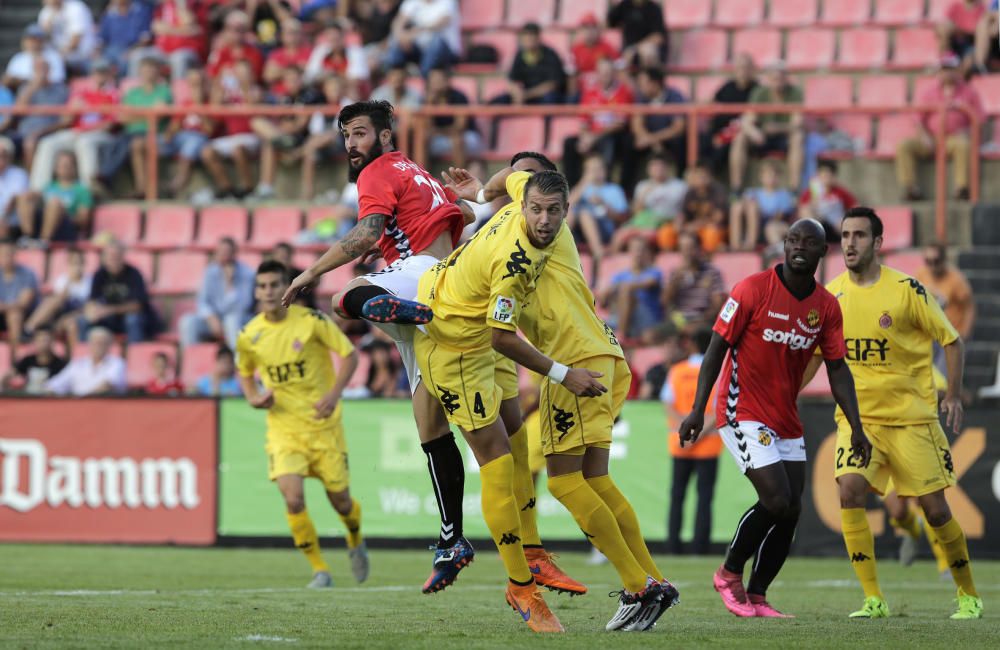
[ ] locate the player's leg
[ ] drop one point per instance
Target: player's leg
(363, 299)
(904, 518)
(952, 542)
(680, 476)
(939, 556)
(328, 463)
(301, 524)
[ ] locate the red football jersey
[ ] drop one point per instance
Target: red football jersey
(418, 207)
(772, 335)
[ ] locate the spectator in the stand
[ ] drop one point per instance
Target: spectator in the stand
(61, 308)
(724, 127)
(152, 91)
(18, 293)
(70, 26)
(633, 294)
(294, 51)
(760, 210)
(22, 66)
(98, 373)
(118, 298)
(590, 46)
(191, 130)
(655, 133)
(179, 35)
(427, 32)
(38, 91)
(282, 252)
(333, 56)
(13, 183)
(83, 133)
(658, 201)
(537, 75)
(957, 32)
(825, 200)
(695, 291)
(233, 45)
(395, 90)
(222, 381)
(280, 136)
(986, 48)
(164, 381)
(125, 26)
(664, 336)
(706, 209)
(324, 140)
(30, 372)
(373, 20)
(603, 133)
(953, 90)
(598, 206)
(238, 142)
(770, 133)
(950, 287)
(62, 211)
(225, 299)
(384, 370)
(454, 137)
(644, 32)
(701, 457)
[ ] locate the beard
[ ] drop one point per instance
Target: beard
(373, 153)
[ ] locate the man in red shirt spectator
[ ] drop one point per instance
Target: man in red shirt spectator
(590, 47)
(952, 90)
(238, 141)
(825, 200)
(232, 45)
(958, 29)
(179, 35)
(294, 51)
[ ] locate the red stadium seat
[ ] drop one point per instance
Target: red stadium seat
(196, 361)
(468, 86)
(303, 259)
(571, 13)
(59, 263)
(863, 49)
(702, 50)
(765, 44)
(642, 359)
(684, 14)
(859, 127)
(180, 272)
(542, 12)
(683, 85)
(505, 43)
(667, 263)
(899, 12)
(915, 49)
(736, 14)
(180, 91)
(819, 386)
(921, 86)
(845, 13)
(139, 361)
(882, 90)
(937, 10)
(143, 263)
(218, 221)
(830, 92)
(561, 128)
(792, 13)
(561, 41)
(988, 87)
(275, 224)
(706, 86)
(169, 226)
(35, 260)
(493, 87)
(332, 282)
(736, 266)
(481, 14)
(518, 134)
(122, 220)
(906, 261)
(251, 258)
(810, 49)
(898, 221)
(891, 130)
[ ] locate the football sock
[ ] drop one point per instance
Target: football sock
(502, 517)
(932, 539)
(447, 470)
(355, 299)
(771, 555)
(352, 522)
(909, 524)
(750, 532)
(956, 551)
(628, 522)
(599, 525)
(860, 548)
(524, 488)
(306, 539)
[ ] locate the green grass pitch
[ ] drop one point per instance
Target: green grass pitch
(148, 597)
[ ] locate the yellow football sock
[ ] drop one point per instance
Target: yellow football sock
(860, 548)
(306, 539)
(524, 488)
(598, 523)
(956, 551)
(352, 522)
(932, 539)
(628, 523)
(909, 524)
(501, 515)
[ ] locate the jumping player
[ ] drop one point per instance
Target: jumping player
(770, 326)
(290, 348)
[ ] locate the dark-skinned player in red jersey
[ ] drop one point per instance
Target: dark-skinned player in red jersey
(766, 334)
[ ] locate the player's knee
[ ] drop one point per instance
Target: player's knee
(853, 493)
(295, 504)
(936, 511)
(777, 505)
(341, 501)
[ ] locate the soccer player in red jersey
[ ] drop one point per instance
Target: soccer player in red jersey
(770, 326)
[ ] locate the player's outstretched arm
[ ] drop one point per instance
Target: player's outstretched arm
(355, 243)
(579, 381)
(951, 405)
(694, 423)
(842, 387)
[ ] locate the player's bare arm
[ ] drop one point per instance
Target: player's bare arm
(345, 369)
(256, 398)
(579, 381)
(951, 405)
(811, 370)
(842, 387)
(711, 366)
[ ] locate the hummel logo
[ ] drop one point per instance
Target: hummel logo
(564, 421)
(449, 400)
(859, 557)
(774, 314)
(960, 563)
(508, 538)
(518, 261)
(529, 504)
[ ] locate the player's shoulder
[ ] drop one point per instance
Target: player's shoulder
(388, 165)
(901, 284)
(837, 285)
(300, 313)
(250, 329)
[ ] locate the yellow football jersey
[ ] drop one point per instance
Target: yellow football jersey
(293, 359)
(889, 329)
(559, 318)
(484, 283)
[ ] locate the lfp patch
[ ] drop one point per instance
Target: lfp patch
(503, 312)
(729, 310)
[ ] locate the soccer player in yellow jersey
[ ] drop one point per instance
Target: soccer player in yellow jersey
(890, 324)
(290, 348)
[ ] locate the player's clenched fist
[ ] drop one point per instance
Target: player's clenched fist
(263, 400)
(691, 427)
(583, 382)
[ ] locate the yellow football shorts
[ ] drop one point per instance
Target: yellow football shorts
(464, 382)
(506, 375)
(570, 424)
(322, 455)
(533, 427)
(915, 458)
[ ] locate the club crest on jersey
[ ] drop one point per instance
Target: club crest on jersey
(297, 345)
(728, 310)
(503, 312)
(764, 437)
(885, 320)
(811, 326)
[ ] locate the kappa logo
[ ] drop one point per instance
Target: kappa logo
(530, 504)
(948, 463)
(518, 262)
(508, 538)
(564, 421)
(449, 400)
(960, 563)
(917, 287)
(859, 557)
(304, 546)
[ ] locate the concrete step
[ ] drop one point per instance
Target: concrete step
(981, 353)
(984, 281)
(984, 258)
(988, 306)
(986, 329)
(986, 224)
(976, 378)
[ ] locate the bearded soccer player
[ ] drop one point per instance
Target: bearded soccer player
(290, 348)
(891, 323)
(766, 334)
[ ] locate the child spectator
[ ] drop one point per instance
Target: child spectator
(164, 381)
(826, 200)
(61, 308)
(706, 206)
(222, 381)
(769, 205)
(599, 206)
(61, 211)
(657, 202)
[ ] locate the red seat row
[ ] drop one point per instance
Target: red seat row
(736, 14)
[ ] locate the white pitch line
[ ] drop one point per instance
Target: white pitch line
(263, 637)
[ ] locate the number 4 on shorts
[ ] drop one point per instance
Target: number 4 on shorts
(477, 405)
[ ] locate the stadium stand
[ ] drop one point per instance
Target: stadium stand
(122, 221)
(809, 48)
(139, 361)
(792, 13)
(735, 14)
(169, 227)
(218, 221)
